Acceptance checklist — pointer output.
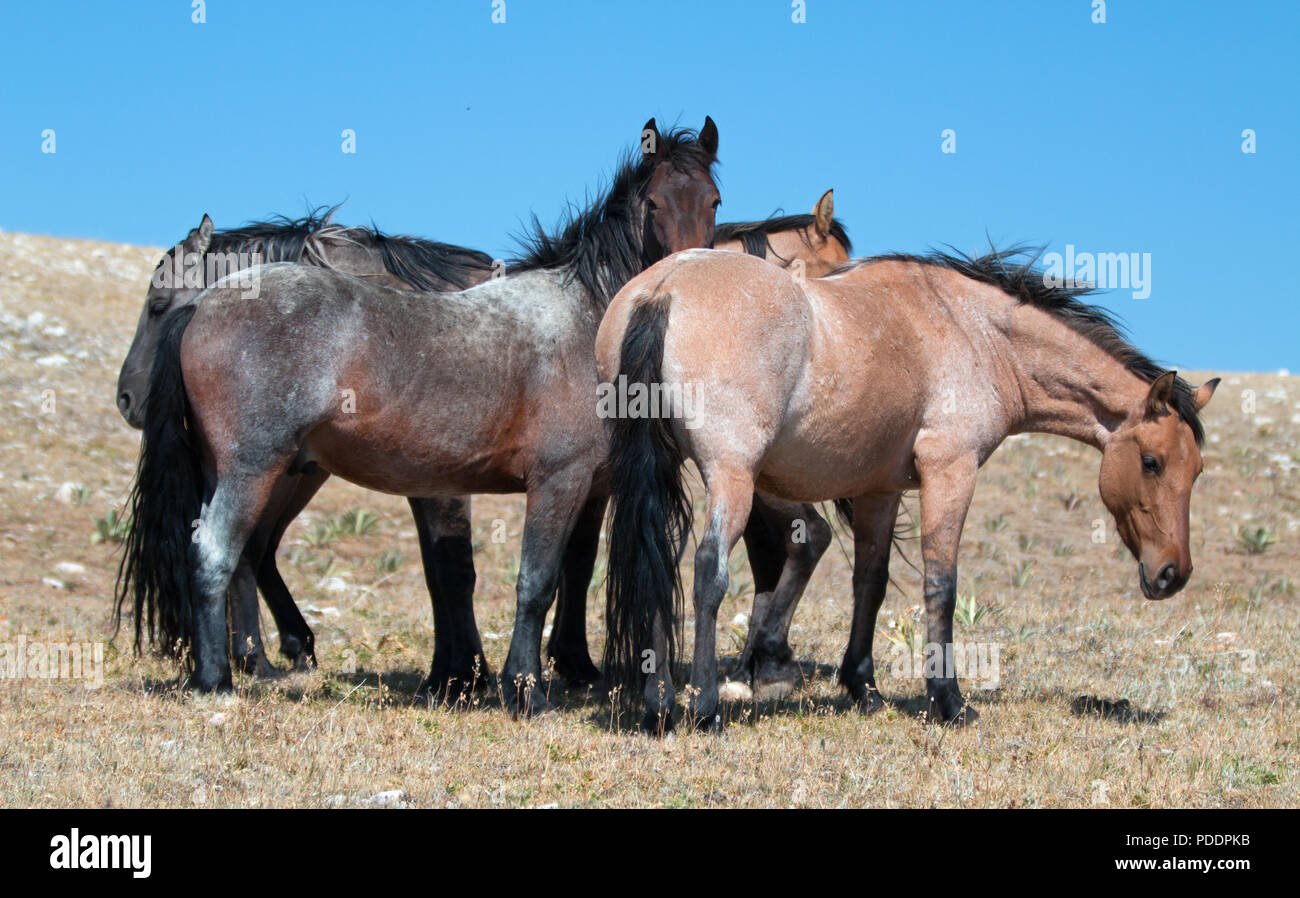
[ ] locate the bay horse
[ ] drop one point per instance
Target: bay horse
(896, 372)
(442, 523)
(486, 390)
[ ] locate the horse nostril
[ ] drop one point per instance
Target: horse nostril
(1168, 574)
(124, 402)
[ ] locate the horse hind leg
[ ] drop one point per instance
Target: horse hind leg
(803, 536)
(730, 495)
(222, 531)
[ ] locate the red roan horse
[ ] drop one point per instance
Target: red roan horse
(896, 373)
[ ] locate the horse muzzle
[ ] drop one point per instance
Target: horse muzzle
(1168, 580)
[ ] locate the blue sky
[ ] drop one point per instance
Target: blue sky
(1116, 137)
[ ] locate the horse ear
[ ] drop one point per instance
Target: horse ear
(709, 137)
(1201, 397)
(200, 238)
(824, 212)
(649, 138)
(1162, 390)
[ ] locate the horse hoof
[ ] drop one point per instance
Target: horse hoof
(710, 723)
(529, 703)
(657, 724)
(951, 713)
(579, 674)
(223, 682)
(776, 680)
(870, 701)
(256, 664)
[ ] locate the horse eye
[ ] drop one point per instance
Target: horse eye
(651, 205)
(1150, 465)
(717, 203)
(158, 308)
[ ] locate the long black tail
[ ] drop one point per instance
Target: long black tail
(650, 516)
(166, 498)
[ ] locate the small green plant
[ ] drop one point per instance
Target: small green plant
(1257, 540)
(321, 534)
(388, 561)
(110, 528)
(82, 495)
(1027, 543)
(1063, 550)
(357, 523)
(996, 525)
(1021, 576)
(969, 611)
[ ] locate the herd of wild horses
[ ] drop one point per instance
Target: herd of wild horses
(427, 370)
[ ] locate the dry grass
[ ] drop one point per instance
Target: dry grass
(1206, 723)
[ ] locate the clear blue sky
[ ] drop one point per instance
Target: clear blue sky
(1119, 137)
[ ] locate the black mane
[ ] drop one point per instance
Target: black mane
(753, 234)
(278, 239)
(1012, 271)
(423, 264)
(416, 260)
(601, 245)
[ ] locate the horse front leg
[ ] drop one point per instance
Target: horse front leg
(801, 535)
(553, 507)
(289, 497)
(247, 650)
(947, 487)
(873, 532)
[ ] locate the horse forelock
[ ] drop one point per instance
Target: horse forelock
(600, 244)
(754, 235)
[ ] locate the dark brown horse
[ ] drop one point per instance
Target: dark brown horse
(488, 390)
(896, 373)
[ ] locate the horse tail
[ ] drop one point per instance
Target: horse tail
(165, 499)
(650, 515)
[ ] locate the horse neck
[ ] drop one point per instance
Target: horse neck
(1067, 385)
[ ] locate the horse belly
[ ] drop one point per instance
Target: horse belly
(805, 472)
(398, 455)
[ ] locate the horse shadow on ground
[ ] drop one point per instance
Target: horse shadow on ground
(401, 689)
(1117, 710)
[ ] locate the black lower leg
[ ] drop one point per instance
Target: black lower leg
(567, 646)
